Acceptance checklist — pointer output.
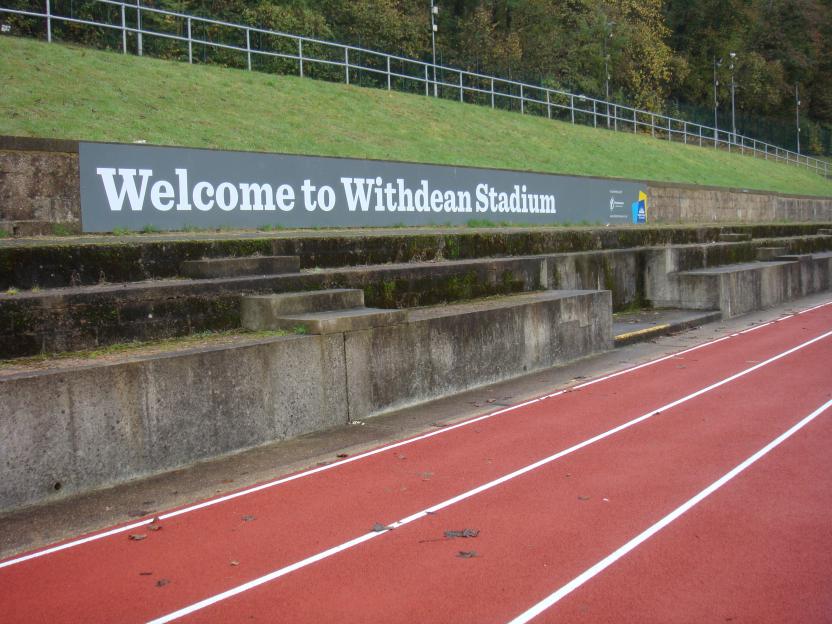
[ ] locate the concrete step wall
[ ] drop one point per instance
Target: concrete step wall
(90, 316)
(742, 288)
(75, 428)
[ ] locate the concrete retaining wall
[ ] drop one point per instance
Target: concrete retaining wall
(670, 203)
(39, 186)
(73, 430)
(442, 351)
(70, 430)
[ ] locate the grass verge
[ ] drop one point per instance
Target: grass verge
(63, 91)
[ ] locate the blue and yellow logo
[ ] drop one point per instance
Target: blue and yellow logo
(640, 208)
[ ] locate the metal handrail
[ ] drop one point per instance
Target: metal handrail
(611, 114)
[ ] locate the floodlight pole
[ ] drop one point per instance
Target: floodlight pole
(797, 113)
(733, 55)
(607, 66)
(139, 47)
(717, 64)
(433, 12)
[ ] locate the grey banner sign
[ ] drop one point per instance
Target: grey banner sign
(138, 186)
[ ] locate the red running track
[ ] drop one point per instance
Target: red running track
(580, 479)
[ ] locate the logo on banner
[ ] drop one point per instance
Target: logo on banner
(640, 208)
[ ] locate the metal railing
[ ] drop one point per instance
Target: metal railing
(364, 66)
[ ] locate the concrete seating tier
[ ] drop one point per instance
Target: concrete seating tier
(771, 253)
(318, 312)
(117, 419)
(741, 288)
(237, 267)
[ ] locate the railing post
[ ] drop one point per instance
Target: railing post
(700, 136)
(300, 57)
(248, 47)
(460, 87)
(594, 114)
(427, 81)
(492, 93)
(685, 132)
(548, 105)
(635, 122)
(49, 21)
(389, 82)
(615, 117)
(572, 107)
(347, 64)
(522, 101)
(190, 43)
(123, 30)
(669, 131)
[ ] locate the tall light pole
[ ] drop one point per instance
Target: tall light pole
(434, 11)
(733, 55)
(607, 25)
(797, 113)
(139, 47)
(717, 65)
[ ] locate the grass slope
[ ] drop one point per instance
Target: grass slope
(78, 93)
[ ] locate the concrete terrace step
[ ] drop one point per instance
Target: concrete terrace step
(303, 302)
(765, 254)
(740, 288)
(237, 267)
(319, 312)
(338, 321)
(283, 386)
(734, 237)
(643, 325)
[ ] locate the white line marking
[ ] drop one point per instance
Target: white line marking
(599, 567)
(306, 473)
(465, 495)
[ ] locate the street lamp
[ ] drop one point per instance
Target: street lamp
(797, 112)
(434, 11)
(733, 55)
(606, 66)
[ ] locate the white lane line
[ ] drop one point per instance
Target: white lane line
(599, 567)
(234, 591)
(306, 473)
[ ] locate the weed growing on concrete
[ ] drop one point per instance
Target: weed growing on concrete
(121, 231)
(12, 291)
(300, 330)
(59, 229)
(150, 347)
(480, 223)
(150, 229)
(4, 233)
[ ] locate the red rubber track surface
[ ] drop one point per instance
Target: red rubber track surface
(537, 531)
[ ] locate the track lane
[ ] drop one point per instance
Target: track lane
(643, 473)
(757, 550)
(202, 545)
